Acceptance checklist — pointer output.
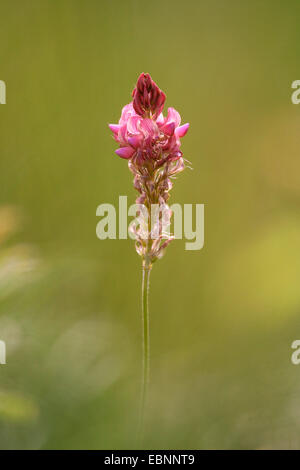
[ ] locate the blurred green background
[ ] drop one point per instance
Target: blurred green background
(223, 318)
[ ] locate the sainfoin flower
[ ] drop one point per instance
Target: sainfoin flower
(151, 143)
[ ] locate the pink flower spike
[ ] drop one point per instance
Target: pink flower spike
(125, 152)
(182, 130)
(114, 128)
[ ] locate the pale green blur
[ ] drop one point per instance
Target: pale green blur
(222, 319)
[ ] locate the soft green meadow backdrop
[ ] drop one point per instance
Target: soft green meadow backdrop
(222, 319)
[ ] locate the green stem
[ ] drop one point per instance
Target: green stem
(146, 344)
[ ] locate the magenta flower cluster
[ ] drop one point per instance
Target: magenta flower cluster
(151, 143)
(143, 132)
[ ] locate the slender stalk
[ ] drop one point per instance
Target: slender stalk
(146, 346)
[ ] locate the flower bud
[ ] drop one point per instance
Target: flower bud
(148, 99)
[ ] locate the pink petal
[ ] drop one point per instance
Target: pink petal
(182, 130)
(134, 141)
(149, 128)
(173, 116)
(125, 152)
(160, 120)
(122, 134)
(132, 124)
(175, 156)
(169, 128)
(114, 128)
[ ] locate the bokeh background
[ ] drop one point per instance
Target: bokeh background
(222, 319)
